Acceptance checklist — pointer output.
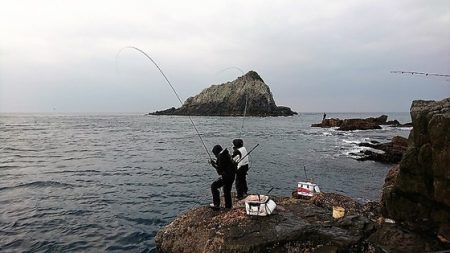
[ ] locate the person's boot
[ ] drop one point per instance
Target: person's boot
(214, 207)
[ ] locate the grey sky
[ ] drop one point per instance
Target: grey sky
(315, 55)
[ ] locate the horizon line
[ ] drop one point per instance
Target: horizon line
(146, 112)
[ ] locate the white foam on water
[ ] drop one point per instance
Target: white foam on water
(357, 141)
(354, 152)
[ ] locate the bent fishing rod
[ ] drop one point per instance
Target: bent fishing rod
(173, 89)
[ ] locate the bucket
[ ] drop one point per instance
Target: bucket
(338, 212)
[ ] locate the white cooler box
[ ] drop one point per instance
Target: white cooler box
(259, 205)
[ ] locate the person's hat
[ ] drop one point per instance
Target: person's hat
(238, 143)
(216, 149)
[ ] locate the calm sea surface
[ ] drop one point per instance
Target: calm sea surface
(91, 183)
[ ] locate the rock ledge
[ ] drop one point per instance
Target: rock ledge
(296, 226)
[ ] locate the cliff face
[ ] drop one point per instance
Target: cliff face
(419, 194)
(229, 99)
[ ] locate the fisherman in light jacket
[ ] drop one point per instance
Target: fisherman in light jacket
(240, 156)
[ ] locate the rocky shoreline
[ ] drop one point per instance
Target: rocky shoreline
(296, 226)
(413, 214)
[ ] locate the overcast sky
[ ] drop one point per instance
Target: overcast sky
(316, 56)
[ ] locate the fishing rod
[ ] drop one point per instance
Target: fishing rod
(259, 195)
(304, 168)
(173, 89)
(248, 153)
(418, 73)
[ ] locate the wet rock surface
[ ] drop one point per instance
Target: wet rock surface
(296, 226)
(392, 152)
(231, 99)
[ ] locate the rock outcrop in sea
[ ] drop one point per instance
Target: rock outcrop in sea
(418, 190)
(359, 124)
(230, 99)
(391, 152)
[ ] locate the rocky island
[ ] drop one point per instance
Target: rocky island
(412, 216)
(231, 99)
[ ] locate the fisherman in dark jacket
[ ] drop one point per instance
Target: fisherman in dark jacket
(227, 170)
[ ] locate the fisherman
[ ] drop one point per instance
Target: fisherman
(227, 171)
(240, 156)
(324, 116)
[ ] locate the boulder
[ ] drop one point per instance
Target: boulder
(395, 123)
(419, 195)
(231, 99)
(362, 124)
(392, 151)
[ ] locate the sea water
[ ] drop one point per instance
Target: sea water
(102, 182)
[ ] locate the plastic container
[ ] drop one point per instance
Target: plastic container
(338, 212)
(259, 205)
(307, 189)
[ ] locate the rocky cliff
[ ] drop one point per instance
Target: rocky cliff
(418, 191)
(230, 99)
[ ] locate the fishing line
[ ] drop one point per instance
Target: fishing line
(229, 68)
(243, 118)
(171, 86)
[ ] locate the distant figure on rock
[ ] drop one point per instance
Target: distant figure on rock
(324, 116)
(240, 156)
(227, 171)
